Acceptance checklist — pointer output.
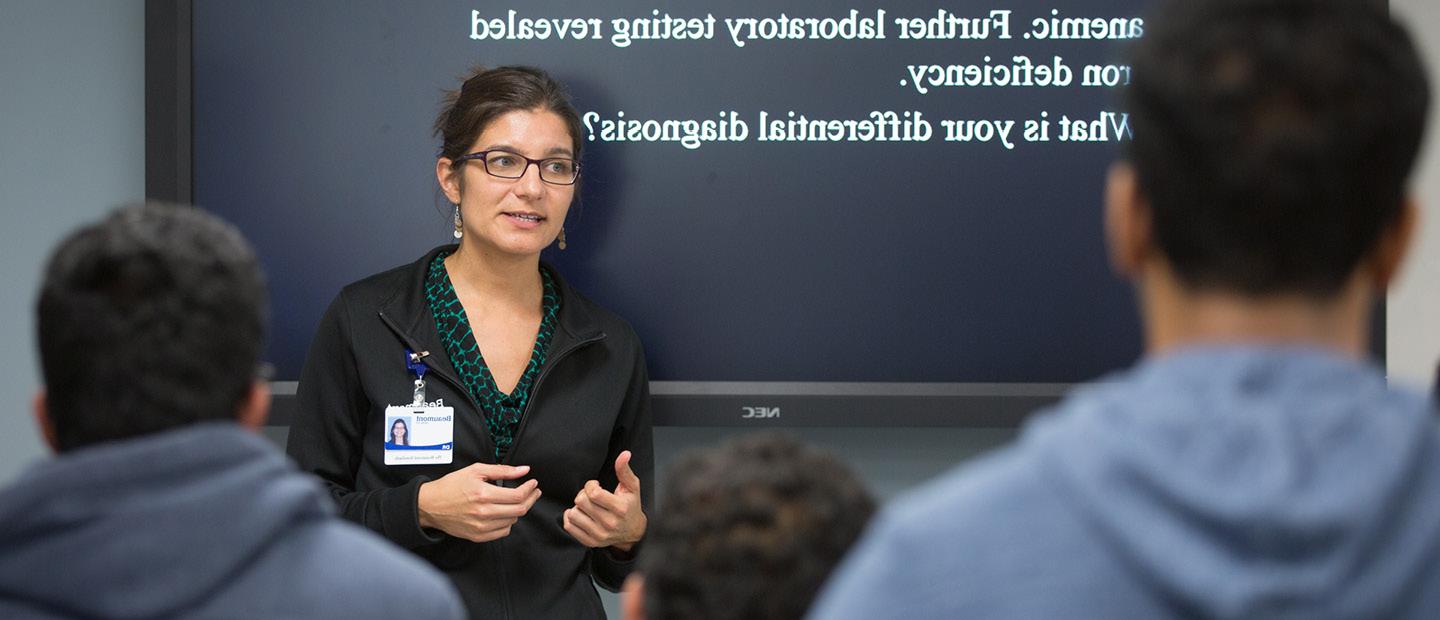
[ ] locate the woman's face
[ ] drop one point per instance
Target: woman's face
(398, 429)
(511, 216)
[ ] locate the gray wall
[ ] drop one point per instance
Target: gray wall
(72, 144)
(1413, 321)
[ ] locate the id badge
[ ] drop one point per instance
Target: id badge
(419, 435)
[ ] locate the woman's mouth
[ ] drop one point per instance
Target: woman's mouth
(525, 220)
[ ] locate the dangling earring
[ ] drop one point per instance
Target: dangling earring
(459, 225)
(562, 237)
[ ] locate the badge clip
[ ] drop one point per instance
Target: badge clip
(414, 364)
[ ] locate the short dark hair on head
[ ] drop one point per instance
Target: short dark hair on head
(1273, 138)
(750, 530)
(149, 320)
(489, 93)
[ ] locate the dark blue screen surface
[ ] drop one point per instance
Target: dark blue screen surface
(855, 261)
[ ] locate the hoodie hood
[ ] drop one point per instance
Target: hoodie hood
(1243, 482)
(148, 526)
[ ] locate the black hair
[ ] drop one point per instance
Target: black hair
(405, 441)
(149, 320)
(750, 530)
(1273, 138)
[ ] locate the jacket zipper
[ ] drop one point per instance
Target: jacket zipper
(535, 388)
(525, 419)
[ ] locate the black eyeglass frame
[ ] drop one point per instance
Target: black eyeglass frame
(539, 165)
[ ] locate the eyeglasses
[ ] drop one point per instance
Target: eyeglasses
(507, 165)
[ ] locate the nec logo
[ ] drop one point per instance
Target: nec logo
(760, 412)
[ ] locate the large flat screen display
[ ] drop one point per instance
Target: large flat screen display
(811, 212)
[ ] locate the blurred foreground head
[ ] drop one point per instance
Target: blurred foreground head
(148, 320)
(1272, 142)
(747, 530)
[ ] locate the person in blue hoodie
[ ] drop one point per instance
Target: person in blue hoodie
(163, 501)
(1254, 464)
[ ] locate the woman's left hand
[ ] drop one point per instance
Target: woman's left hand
(604, 519)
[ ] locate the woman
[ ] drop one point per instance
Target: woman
(543, 393)
(398, 432)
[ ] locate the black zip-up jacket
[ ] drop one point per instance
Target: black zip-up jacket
(590, 401)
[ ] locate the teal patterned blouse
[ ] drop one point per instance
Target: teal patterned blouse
(501, 411)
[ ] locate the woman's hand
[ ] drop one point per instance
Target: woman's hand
(466, 505)
(604, 519)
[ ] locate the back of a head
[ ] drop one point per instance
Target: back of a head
(750, 530)
(1273, 138)
(149, 320)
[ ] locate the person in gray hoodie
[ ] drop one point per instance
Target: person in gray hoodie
(163, 501)
(1254, 464)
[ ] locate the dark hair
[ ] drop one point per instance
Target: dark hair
(750, 530)
(149, 320)
(489, 93)
(406, 440)
(1273, 138)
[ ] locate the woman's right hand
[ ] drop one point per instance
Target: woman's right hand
(466, 505)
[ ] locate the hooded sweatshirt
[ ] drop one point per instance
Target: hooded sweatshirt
(208, 521)
(1238, 482)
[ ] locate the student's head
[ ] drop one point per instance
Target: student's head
(747, 530)
(148, 320)
(1272, 143)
